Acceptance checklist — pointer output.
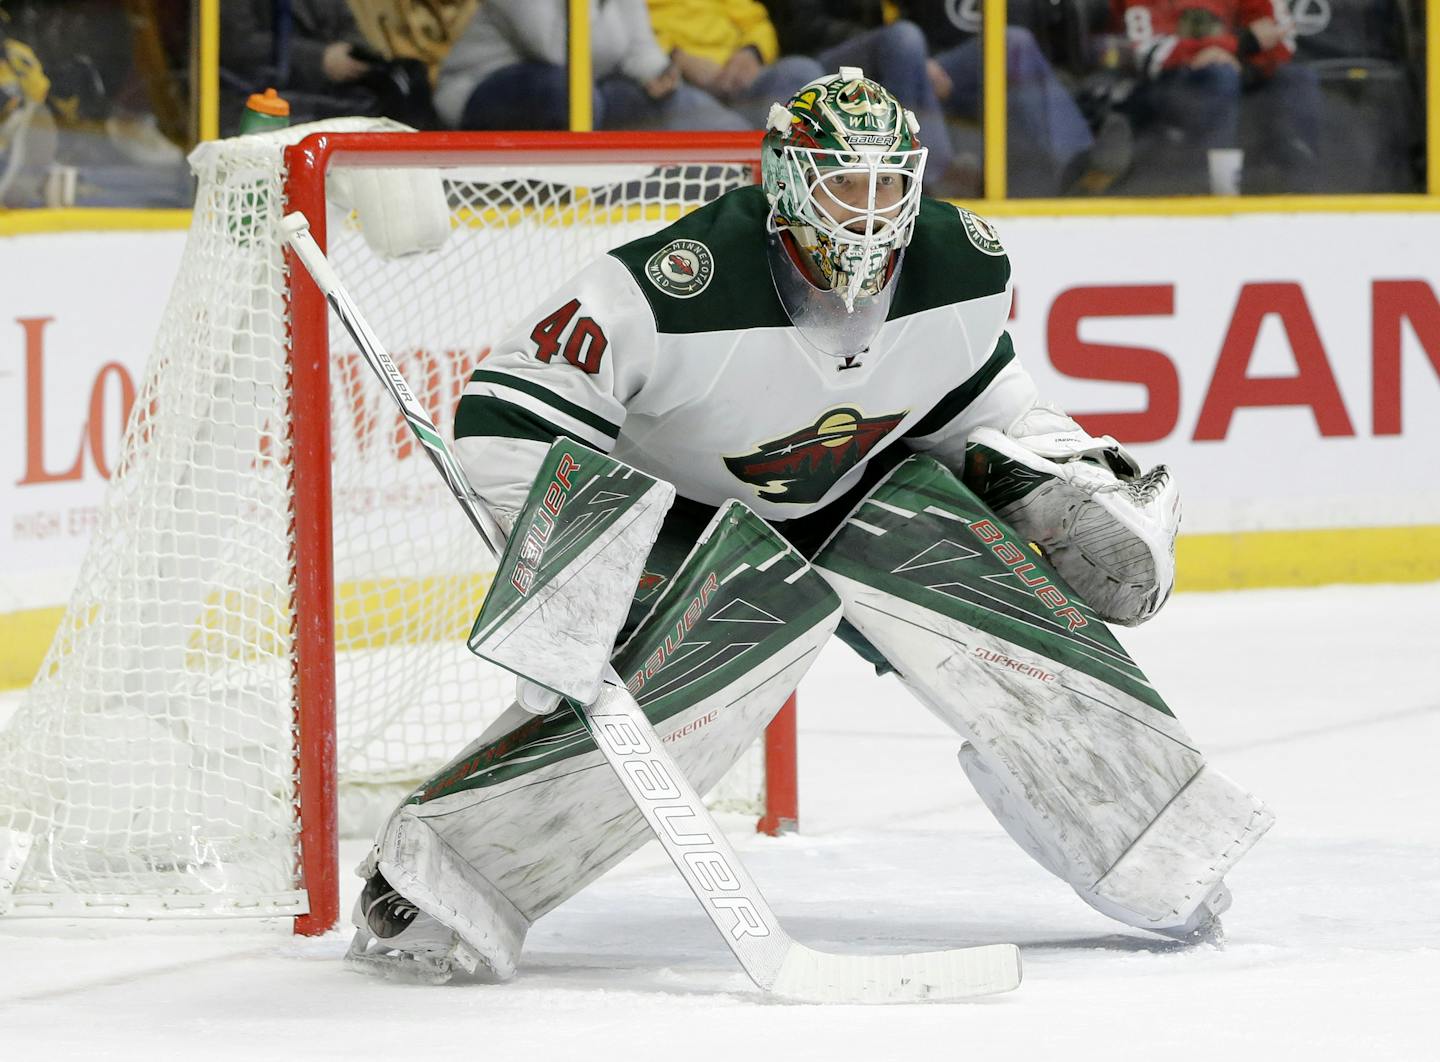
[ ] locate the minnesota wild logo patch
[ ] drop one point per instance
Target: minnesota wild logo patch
(802, 466)
(982, 234)
(649, 583)
(681, 269)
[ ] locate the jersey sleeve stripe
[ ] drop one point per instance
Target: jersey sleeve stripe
(488, 416)
(559, 405)
(958, 400)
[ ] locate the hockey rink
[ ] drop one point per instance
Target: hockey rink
(1325, 702)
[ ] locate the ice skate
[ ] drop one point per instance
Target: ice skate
(394, 937)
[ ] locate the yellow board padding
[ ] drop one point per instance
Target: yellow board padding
(43, 220)
(250, 625)
(1253, 559)
(372, 613)
(582, 211)
(90, 219)
(107, 219)
(376, 613)
(1203, 206)
(24, 638)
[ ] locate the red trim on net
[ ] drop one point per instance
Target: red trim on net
(782, 791)
(312, 560)
(450, 149)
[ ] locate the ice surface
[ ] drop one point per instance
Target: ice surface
(1325, 702)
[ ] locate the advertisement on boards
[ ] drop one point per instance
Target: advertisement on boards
(78, 314)
(1287, 367)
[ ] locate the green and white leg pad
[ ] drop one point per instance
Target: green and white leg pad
(523, 819)
(1068, 743)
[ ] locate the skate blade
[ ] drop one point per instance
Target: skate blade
(368, 954)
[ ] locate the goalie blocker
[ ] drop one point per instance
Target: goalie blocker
(1106, 527)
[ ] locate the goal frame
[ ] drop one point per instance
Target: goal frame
(307, 165)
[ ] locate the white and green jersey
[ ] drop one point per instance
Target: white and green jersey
(674, 354)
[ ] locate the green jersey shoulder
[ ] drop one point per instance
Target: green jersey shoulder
(710, 271)
(954, 256)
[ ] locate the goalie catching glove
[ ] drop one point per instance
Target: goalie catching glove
(1108, 529)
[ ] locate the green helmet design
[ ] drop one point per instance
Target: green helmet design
(841, 164)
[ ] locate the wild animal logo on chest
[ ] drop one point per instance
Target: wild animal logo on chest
(802, 466)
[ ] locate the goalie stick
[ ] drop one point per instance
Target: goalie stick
(671, 808)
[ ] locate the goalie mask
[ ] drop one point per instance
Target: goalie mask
(841, 166)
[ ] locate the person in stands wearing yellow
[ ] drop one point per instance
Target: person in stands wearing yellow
(729, 49)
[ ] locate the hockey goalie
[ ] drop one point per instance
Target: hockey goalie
(819, 366)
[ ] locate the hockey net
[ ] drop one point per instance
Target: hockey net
(173, 755)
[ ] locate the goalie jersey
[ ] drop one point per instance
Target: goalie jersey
(674, 354)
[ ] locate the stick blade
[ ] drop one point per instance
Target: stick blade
(812, 976)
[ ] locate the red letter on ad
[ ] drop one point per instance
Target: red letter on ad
(1314, 384)
(1152, 369)
(1391, 302)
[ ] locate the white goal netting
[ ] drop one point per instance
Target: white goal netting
(152, 766)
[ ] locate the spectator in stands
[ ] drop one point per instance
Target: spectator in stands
(854, 33)
(27, 130)
(107, 129)
(310, 50)
(1198, 59)
(729, 49)
(1049, 143)
(508, 70)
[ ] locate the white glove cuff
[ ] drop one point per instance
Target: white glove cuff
(1045, 430)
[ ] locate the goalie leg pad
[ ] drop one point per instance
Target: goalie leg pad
(1210, 817)
(522, 820)
(1072, 748)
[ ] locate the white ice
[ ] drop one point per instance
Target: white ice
(1322, 701)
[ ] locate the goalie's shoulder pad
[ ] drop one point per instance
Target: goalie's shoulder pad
(1111, 538)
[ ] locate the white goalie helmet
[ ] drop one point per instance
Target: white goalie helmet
(841, 165)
